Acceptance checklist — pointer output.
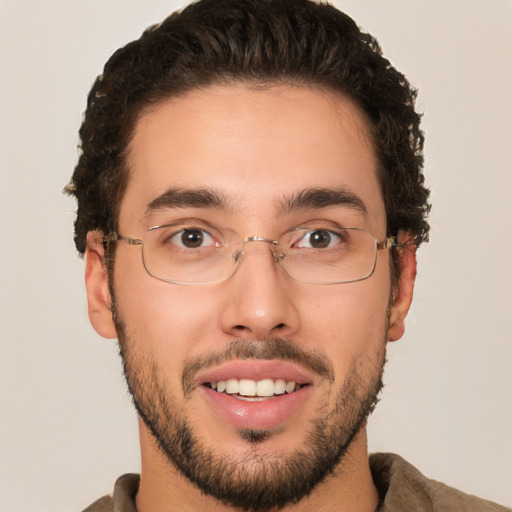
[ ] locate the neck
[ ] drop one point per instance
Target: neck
(162, 488)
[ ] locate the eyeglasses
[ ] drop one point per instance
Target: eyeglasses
(193, 255)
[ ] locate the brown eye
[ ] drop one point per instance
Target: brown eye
(320, 239)
(190, 238)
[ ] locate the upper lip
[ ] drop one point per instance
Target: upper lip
(255, 369)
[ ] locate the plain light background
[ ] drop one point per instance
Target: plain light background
(67, 429)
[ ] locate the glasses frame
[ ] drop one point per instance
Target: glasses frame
(388, 243)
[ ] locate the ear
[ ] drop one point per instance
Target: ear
(404, 288)
(96, 282)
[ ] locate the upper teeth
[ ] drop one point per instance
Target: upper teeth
(246, 387)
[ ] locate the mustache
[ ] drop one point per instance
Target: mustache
(274, 348)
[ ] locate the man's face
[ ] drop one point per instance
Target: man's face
(257, 150)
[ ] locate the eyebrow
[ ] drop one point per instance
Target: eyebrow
(187, 198)
(310, 198)
(317, 198)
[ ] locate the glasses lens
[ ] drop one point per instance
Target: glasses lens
(185, 254)
(192, 255)
(328, 256)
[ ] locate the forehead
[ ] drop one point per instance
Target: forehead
(256, 147)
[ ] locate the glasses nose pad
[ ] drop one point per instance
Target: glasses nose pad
(237, 256)
(278, 256)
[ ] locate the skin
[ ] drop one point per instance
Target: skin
(256, 147)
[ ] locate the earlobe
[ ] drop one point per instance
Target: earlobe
(96, 283)
(403, 293)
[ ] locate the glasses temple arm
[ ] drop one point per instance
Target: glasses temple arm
(115, 237)
(392, 241)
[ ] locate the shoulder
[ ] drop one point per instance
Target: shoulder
(403, 488)
(123, 497)
(104, 504)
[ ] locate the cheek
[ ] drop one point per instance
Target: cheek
(348, 322)
(164, 321)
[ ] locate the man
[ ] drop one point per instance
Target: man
(250, 200)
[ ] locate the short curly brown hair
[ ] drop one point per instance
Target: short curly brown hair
(211, 42)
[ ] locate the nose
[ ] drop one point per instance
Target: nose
(259, 297)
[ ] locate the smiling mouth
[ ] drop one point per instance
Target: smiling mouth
(252, 390)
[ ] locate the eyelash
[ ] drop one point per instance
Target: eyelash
(197, 236)
(190, 230)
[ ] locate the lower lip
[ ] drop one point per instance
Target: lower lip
(259, 414)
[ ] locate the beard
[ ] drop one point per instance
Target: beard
(257, 482)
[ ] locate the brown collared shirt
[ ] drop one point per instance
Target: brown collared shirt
(402, 488)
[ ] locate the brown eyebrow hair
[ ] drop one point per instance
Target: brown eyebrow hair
(188, 198)
(310, 198)
(315, 198)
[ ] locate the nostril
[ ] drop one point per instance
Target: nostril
(279, 326)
